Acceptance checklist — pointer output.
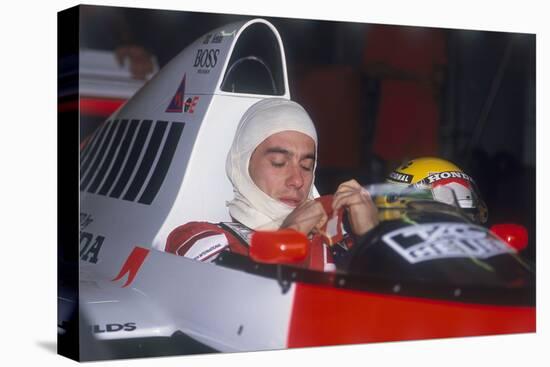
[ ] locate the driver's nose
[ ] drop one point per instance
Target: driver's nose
(295, 177)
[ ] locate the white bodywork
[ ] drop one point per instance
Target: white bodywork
(222, 308)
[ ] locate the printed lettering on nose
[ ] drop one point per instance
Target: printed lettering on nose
(206, 58)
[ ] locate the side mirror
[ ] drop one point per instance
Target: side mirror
(285, 246)
(514, 235)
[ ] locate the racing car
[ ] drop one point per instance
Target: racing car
(158, 161)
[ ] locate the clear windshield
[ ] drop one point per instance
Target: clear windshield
(394, 200)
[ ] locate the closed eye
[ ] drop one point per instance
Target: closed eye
(307, 164)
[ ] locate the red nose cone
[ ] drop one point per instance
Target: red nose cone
(285, 246)
(514, 235)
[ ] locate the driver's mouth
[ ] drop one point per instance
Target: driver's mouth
(290, 201)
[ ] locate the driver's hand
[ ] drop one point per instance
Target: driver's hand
(307, 218)
(362, 213)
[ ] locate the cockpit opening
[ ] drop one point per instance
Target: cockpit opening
(256, 64)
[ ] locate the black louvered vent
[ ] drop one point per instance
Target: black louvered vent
(129, 159)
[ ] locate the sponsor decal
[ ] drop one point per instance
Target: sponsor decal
(206, 59)
(225, 34)
(176, 103)
(132, 265)
(190, 104)
(209, 251)
(111, 328)
(424, 242)
(445, 176)
(400, 177)
(85, 220)
(90, 246)
(218, 38)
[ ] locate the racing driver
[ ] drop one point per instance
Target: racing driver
(271, 165)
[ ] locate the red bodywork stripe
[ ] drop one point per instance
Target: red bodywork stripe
(328, 316)
(132, 265)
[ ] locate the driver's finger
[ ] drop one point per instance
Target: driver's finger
(311, 215)
(345, 199)
(345, 191)
(337, 199)
(323, 220)
(366, 193)
(351, 184)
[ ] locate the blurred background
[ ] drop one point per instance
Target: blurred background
(378, 94)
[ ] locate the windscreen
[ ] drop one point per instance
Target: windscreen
(255, 66)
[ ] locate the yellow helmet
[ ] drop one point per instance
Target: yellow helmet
(448, 183)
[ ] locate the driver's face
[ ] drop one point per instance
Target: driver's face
(282, 166)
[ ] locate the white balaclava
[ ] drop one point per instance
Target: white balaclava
(251, 206)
